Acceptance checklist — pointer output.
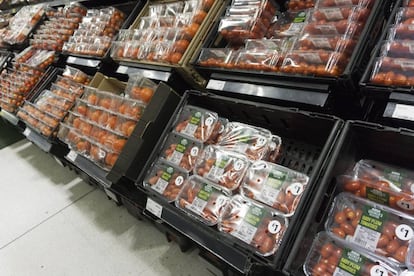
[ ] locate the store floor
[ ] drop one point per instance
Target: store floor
(53, 223)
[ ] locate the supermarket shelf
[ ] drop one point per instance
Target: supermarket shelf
(83, 61)
(87, 166)
(37, 139)
(259, 90)
(155, 73)
(206, 237)
(11, 118)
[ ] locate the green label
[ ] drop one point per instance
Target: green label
(244, 139)
(182, 146)
(254, 216)
(196, 118)
(205, 192)
(373, 218)
(378, 196)
(222, 163)
(167, 174)
(300, 18)
(276, 179)
(351, 261)
(395, 177)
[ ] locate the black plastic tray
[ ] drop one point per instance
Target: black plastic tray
(281, 86)
(359, 140)
(307, 141)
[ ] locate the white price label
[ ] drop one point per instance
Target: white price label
(216, 85)
(72, 156)
(122, 69)
(194, 151)
(179, 181)
(406, 205)
(261, 141)
(295, 189)
(404, 232)
(238, 165)
(378, 270)
(209, 121)
(274, 226)
(27, 132)
(154, 208)
(402, 111)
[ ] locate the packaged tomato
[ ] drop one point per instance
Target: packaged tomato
(352, 13)
(181, 150)
(332, 256)
(254, 224)
(334, 3)
(274, 185)
(222, 167)
(74, 139)
(76, 75)
(393, 71)
(140, 88)
(341, 27)
(202, 199)
(214, 57)
(237, 29)
(261, 60)
(297, 5)
(405, 15)
(166, 179)
(382, 183)
(288, 24)
(252, 141)
(196, 122)
(398, 49)
(371, 226)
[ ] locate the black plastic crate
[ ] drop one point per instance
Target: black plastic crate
(316, 90)
(359, 140)
(307, 141)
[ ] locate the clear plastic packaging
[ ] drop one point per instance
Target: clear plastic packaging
(274, 185)
(317, 62)
(237, 29)
(352, 13)
(196, 122)
(222, 167)
(252, 141)
(181, 151)
(332, 256)
(342, 27)
(298, 5)
(76, 75)
(371, 226)
(401, 32)
(166, 180)
(202, 199)
(140, 88)
(345, 44)
(48, 97)
(330, 3)
(393, 71)
(215, 57)
(263, 60)
(254, 224)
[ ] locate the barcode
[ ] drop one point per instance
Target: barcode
(245, 232)
(176, 157)
(215, 173)
(160, 185)
(190, 129)
(268, 195)
(197, 206)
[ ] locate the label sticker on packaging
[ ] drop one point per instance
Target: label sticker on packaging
(201, 200)
(274, 227)
(378, 270)
(154, 208)
(343, 2)
(332, 14)
(178, 153)
(193, 124)
(179, 181)
(194, 151)
(378, 196)
(406, 205)
(209, 121)
(27, 132)
(248, 227)
(320, 42)
(351, 263)
(261, 141)
(238, 165)
(368, 230)
(216, 85)
(326, 29)
(163, 180)
(217, 170)
(271, 187)
(295, 189)
(404, 232)
(395, 177)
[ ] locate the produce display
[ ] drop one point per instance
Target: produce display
(164, 33)
(22, 24)
(100, 124)
(254, 224)
(17, 82)
(371, 226)
(59, 26)
(381, 183)
(95, 32)
(331, 256)
(302, 41)
(395, 65)
(52, 106)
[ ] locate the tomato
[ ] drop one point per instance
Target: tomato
(146, 94)
(326, 250)
(392, 247)
(401, 254)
